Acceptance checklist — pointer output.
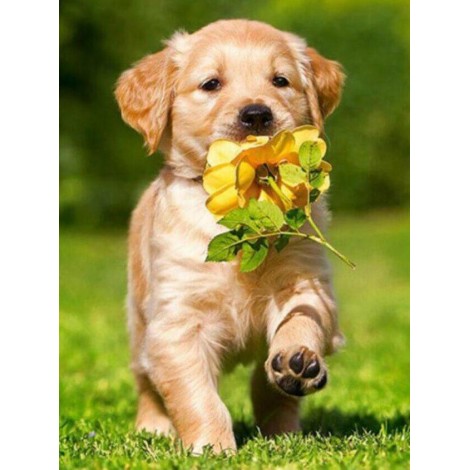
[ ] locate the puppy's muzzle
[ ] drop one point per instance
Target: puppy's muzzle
(256, 118)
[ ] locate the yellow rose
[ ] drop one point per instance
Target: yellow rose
(237, 172)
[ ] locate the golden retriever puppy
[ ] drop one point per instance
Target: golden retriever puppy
(189, 319)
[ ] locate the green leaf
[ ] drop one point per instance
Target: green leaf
(266, 213)
(223, 247)
(292, 174)
(253, 254)
(295, 218)
(244, 231)
(310, 156)
(281, 242)
(317, 178)
(237, 217)
(314, 195)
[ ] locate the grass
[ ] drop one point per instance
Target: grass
(361, 419)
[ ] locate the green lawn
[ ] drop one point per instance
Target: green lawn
(360, 420)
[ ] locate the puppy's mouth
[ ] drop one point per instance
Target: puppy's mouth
(239, 134)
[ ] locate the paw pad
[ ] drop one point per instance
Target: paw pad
(297, 372)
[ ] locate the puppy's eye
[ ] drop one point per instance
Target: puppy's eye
(280, 82)
(211, 85)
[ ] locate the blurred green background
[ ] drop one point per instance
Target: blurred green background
(103, 167)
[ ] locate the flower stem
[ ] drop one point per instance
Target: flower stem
(308, 237)
(315, 227)
(326, 244)
(338, 254)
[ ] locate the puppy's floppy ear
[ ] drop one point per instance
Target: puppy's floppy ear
(327, 78)
(145, 93)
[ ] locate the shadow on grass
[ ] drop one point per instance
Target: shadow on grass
(333, 422)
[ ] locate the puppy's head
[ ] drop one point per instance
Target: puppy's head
(228, 80)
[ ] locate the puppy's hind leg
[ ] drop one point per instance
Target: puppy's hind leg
(151, 413)
(275, 413)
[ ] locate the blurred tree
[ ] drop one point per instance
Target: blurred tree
(102, 162)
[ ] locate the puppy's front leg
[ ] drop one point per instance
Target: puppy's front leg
(304, 329)
(294, 368)
(182, 361)
(295, 364)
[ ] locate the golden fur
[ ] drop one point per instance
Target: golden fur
(187, 318)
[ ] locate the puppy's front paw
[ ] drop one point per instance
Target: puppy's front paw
(297, 371)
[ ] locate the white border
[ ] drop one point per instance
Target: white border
(29, 234)
(440, 227)
(439, 215)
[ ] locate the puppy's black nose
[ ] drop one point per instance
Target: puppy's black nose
(256, 117)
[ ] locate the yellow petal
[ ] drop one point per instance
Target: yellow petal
(218, 177)
(292, 157)
(286, 190)
(296, 194)
(222, 151)
(254, 141)
(252, 192)
(304, 133)
(257, 156)
(322, 144)
(245, 175)
(325, 166)
(283, 143)
(301, 195)
(326, 184)
(223, 201)
(288, 204)
(267, 194)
